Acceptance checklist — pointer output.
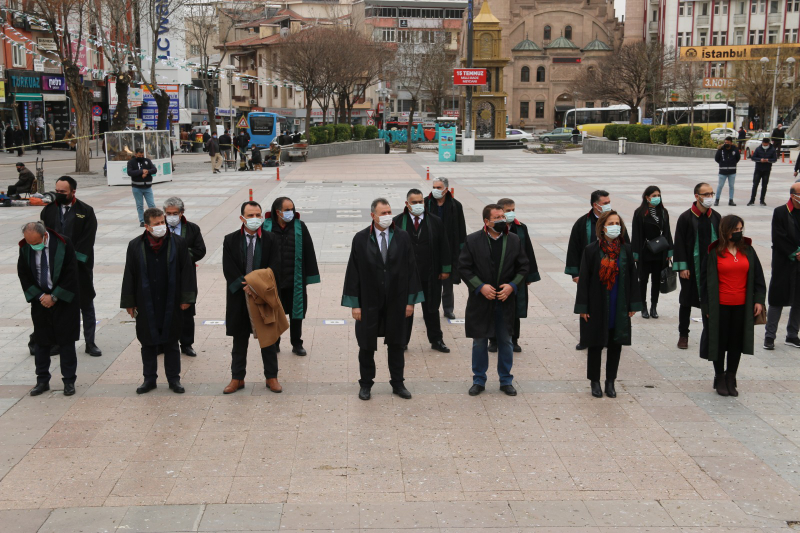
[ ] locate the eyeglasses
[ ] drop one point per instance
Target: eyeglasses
(707, 195)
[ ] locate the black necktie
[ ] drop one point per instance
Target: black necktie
(251, 247)
(416, 223)
(43, 271)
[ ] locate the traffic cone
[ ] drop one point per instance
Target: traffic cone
(251, 195)
(279, 173)
(744, 155)
(783, 157)
(428, 177)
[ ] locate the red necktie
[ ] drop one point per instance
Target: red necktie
(416, 223)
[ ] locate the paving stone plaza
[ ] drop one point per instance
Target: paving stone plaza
(668, 454)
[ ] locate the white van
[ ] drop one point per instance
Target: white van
(203, 129)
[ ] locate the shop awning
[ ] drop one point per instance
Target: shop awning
(54, 97)
(27, 97)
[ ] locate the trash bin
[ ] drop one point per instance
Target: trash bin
(621, 147)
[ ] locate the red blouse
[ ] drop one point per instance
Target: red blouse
(732, 278)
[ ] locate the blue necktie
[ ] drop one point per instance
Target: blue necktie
(43, 272)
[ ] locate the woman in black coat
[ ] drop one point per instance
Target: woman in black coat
(607, 298)
(650, 221)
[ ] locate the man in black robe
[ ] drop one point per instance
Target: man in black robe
(432, 255)
(158, 284)
(48, 271)
(299, 267)
(442, 204)
(785, 281)
(696, 229)
(76, 220)
(494, 266)
(382, 286)
(174, 210)
(246, 249)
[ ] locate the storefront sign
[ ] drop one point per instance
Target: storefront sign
(22, 83)
(38, 65)
(150, 109)
(46, 43)
(451, 112)
(2, 91)
(469, 76)
(79, 51)
(719, 83)
(734, 53)
(447, 144)
(53, 83)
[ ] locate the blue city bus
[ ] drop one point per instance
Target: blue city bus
(264, 127)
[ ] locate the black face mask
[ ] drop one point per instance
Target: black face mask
(728, 146)
(736, 236)
(500, 226)
(62, 199)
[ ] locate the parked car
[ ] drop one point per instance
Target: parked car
(558, 134)
(755, 141)
(515, 134)
(719, 134)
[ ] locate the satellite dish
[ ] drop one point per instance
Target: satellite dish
(284, 32)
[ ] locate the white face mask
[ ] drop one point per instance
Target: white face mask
(159, 231)
(605, 208)
(511, 216)
(287, 216)
(385, 221)
(416, 209)
(613, 231)
(707, 202)
(438, 194)
(173, 220)
(253, 223)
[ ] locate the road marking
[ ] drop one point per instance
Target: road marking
(213, 322)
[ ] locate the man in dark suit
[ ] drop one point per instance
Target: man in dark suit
(75, 219)
(247, 249)
(48, 271)
(189, 232)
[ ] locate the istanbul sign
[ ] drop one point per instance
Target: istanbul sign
(733, 53)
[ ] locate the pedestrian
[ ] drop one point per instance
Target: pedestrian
(9, 138)
(38, 138)
(19, 140)
(763, 156)
(727, 157)
(141, 171)
(440, 202)
(734, 291)
(225, 145)
(48, 271)
(494, 266)
(185, 144)
(784, 284)
(255, 160)
(778, 134)
(434, 264)
(24, 184)
(159, 279)
(606, 299)
(520, 230)
(741, 138)
(212, 147)
(206, 137)
(652, 246)
(76, 220)
(245, 250)
(696, 229)
(175, 213)
(298, 266)
(240, 144)
(381, 285)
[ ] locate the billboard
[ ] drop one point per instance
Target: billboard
(150, 109)
(469, 76)
(735, 53)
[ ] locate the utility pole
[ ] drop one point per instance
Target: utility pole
(468, 102)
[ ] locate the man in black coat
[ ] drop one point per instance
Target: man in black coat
(727, 157)
(763, 156)
(432, 255)
(241, 142)
(382, 286)
(19, 140)
(76, 220)
(141, 171)
(696, 229)
(226, 145)
(25, 181)
(246, 249)
(778, 135)
(784, 285)
(494, 266)
(158, 284)
(190, 232)
(442, 204)
(48, 271)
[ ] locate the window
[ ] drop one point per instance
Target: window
(685, 9)
(453, 13)
(739, 37)
(589, 104)
(291, 92)
(523, 109)
(703, 37)
(540, 75)
(756, 37)
(539, 110)
(262, 125)
(655, 15)
(741, 8)
(195, 50)
(385, 35)
(717, 70)
(684, 38)
(525, 75)
(275, 92)
(762, 6)
(772, 36)
(792, 6)
(773, 6)
(18, 55)
(704, 9)
(568, 32)
(260, 91)
(547, 33)
(790, 36)
(720, 8)
(719, 38)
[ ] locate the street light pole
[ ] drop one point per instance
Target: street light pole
(764, 61)
(468, 100)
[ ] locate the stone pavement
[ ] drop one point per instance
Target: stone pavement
(667, 455)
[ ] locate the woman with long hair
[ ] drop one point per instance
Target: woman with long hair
(607, 298)
(732, 292)
(651, 221)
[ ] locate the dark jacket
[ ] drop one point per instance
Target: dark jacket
(583, 232)
(191, 234)
(592, 298)
(206, 136)
(521, 230)
(454, 225)
(778, 134)
(225, 142)
(688, 254)
(645, 228)
(760, 153)
(756, 293)
(59, 324)
(477, 269)
(80, 226)
(255, 157)
(212, 146)
(381, 291)
(741, 135)
(785, 268)
(25, 181)
(727, 159)
(241, 142)
(440, 259)
(159, 317)
(138, 179)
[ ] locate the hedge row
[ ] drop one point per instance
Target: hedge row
(341, 132)
(672, 135)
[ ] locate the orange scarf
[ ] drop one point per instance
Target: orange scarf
(608, 264)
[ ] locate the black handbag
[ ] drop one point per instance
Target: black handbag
(658, 245)
(669, 280)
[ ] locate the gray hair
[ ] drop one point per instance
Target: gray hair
(376, 202)
(174, 202)
(443, 181)
(37, 227)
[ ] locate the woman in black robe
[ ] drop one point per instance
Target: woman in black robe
(650, 221)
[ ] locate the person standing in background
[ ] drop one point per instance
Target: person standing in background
(763, 156)
(650, 222)
(212, 147)
(778, 135)
(442, 204)
(727, 157)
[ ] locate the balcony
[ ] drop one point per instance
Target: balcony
(739, 20)
(774, 18)
(703, 20)
(653, 26)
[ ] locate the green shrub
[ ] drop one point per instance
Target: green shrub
(658, 135)
(358, 132)
(612, 132)
(637, 133)
(331, 131)
(316, 135)
(702, 139)
(371, 132)
(344, 132)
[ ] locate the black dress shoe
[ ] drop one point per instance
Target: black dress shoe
(730, 202)
(509, 389)
(40, 388)
(476, 389)
(299, 350)
(492, 346)
(451, 316)
(188, 350)
(751, 202)
(517, 347)
(278, 346)
(645, 314)
(580, 346)
(763, 203)
(653, 312)
(597, 392)
(177, 387)
(440, 346)
(69, 389)
(55, 350)
(402, 391)
(611, 392)
(364, 393)
(147, 386)
(93, 350)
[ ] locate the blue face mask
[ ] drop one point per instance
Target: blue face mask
(38, 247)
(613, 231)
(655, 200)
(287, 216)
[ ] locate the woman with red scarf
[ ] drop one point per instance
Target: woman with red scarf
(607, 298)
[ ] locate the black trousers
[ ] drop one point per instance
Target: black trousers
(448, 299)
(366, 365)
(172, 361)
(295, 324)
(613, 351)
(269, 356)
(650, 270)
(430, 315)
(758, 177)
(684, 318)
(187, 331)
(731, 339)
(89, 321)
(69, 363)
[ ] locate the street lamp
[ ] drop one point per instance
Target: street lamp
(764, 63)
(230, 69)
(383, 94)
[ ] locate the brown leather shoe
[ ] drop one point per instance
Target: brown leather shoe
(233, 386)
(273, 385)
(683, 343)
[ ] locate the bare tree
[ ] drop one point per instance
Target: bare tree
(686, 79)
(438, 76)
(754, 81)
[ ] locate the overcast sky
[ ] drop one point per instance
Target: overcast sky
(619, 8)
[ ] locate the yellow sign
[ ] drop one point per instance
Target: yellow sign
(2, 91)
(242, 124)
(735, 53)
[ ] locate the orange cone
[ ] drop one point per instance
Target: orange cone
(251, 195)
(428, 177)
(279, 173)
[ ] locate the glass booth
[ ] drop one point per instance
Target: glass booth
(121, 147)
